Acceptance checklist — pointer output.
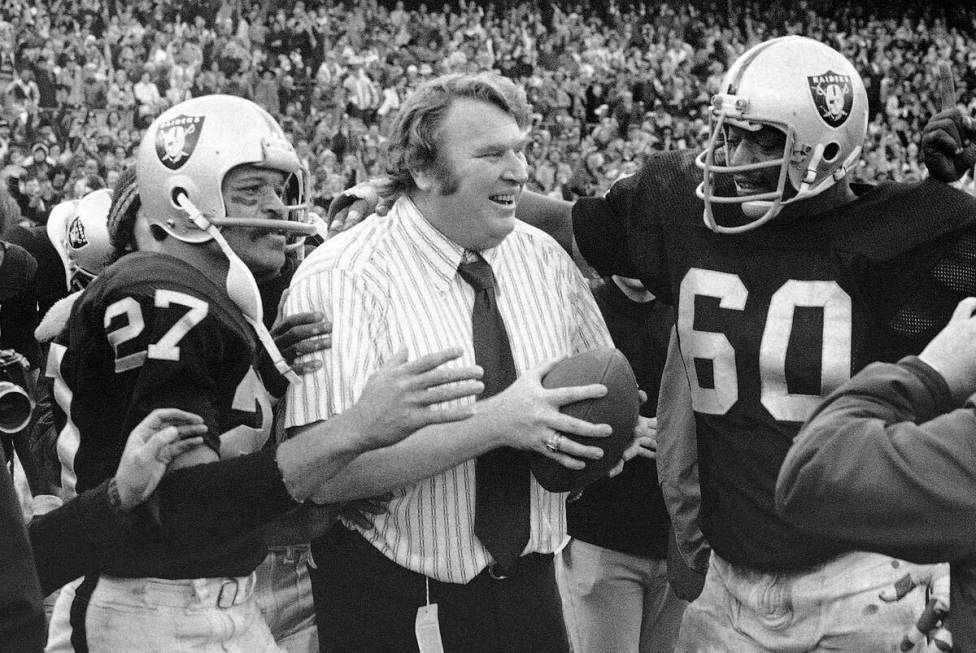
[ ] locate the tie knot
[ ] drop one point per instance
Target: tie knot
(477, 272)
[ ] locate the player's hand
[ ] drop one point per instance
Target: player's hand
(952, 352)
(350, 207)
(526, 416)
(359, 511)
(644, 443)
(299, 334)
(930, 625)
(949, 138)
(304, 524)
(161, 437)
(399, 396)
(645, 440)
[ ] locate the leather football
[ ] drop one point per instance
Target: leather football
(618, 408)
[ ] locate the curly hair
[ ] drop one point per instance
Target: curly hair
(415, 136)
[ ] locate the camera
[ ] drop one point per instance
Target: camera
(16, 404)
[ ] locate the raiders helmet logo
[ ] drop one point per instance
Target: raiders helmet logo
(177, 138)
(833, 96)
(76, 234)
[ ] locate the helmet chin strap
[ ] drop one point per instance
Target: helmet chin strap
(242, 288)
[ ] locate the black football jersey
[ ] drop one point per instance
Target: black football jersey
(771, 320)
(150, 332)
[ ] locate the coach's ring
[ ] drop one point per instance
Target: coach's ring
(552, 444)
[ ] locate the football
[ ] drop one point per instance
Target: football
(618, 408)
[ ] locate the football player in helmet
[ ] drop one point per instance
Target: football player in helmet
(797, 279)
(178, 323)
(810, 122)
(78, 229)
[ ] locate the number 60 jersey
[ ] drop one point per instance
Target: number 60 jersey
(771, 320)
(152, 331)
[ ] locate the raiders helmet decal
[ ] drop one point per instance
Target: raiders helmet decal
(77, 238)
(833, 96)
(177, 138)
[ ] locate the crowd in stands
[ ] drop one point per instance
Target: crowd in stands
(80, 79)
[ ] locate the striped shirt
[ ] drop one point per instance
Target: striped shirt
(393, 282)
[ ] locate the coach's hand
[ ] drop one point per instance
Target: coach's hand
(949, 138)
(526, 416)
(399, 397)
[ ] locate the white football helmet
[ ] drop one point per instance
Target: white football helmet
(78, 229)
(87, 243)
(806, 90)
(57, 230)
(189, 149)
(180, 168)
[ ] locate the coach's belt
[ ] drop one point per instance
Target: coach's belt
(523, 565)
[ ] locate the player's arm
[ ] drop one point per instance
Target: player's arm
(888, 462)
(85, 532)
(553, 216)
(222, 499)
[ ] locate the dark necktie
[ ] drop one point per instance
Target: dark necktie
(501, 519)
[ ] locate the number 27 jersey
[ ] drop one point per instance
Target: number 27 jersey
(771, 320)
(152, 331)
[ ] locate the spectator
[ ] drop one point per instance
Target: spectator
(147, 96)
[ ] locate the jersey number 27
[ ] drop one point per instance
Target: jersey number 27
(167, 347)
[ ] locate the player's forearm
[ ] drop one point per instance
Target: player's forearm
(553, 216)
(318, 452)
(427, 452)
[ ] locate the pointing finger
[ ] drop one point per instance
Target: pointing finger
(947, 87)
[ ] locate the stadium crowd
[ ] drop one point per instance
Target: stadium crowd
(608, 82)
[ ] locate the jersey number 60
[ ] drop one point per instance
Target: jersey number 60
(709, 345)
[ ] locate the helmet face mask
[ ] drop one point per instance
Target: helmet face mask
(808, 92)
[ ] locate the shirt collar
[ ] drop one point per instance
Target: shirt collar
(441, 253)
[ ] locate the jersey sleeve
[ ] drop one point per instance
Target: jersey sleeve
(134, 351)
(621, 233)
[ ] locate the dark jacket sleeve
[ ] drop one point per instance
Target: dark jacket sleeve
(219, 501)
(22, 626)
(74, 539)
(194, 506)
(888, 464)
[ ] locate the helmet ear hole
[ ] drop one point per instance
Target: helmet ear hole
(174, 195)
(831, 151)
(157, 232)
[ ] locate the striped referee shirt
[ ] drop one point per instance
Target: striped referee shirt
(393, 282)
